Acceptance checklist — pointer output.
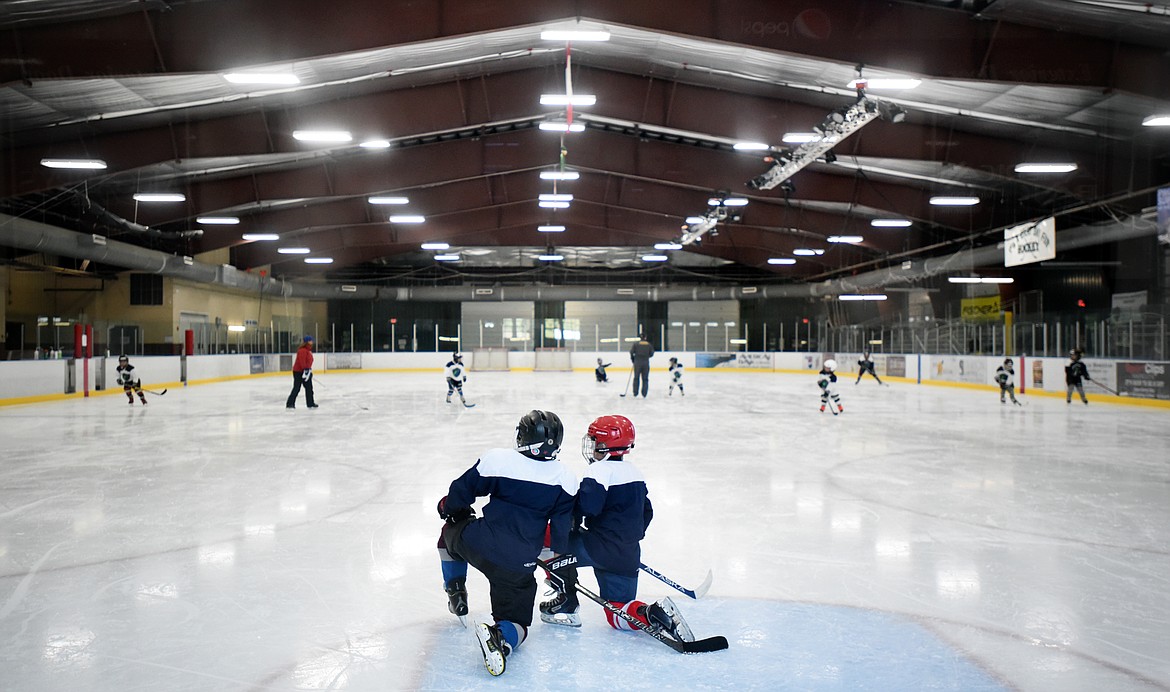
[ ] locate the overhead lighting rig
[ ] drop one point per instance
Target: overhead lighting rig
(836, 126)
(698, 226)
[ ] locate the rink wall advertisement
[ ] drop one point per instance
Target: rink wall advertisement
(761, 361)
(895, 365)
(1144, 379)
(971, 369)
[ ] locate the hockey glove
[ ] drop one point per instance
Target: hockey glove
(306, 374)
(562, 573)
(454, 516)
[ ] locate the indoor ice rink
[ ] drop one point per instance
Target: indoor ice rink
(927, 538)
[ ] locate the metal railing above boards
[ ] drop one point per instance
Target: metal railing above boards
(1140, 337)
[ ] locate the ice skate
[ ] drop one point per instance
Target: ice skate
(448, 398)
(561, 610)
(665, 616)
(495, 649)
(457, 598)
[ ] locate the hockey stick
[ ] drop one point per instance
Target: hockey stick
(1111, 391)
(628, 381)
(717, 643)
(695, 593)
(155, 393)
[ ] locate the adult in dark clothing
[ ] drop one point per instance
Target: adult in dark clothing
(1074, 373)
(303, 375)
(640, 355)
(865, 365)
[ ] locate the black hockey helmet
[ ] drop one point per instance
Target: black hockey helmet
(123, 359)
(539, 435)
(1008, 361)
(457, 357)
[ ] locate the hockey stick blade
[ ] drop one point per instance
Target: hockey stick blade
(154, 392)
(693, 593)
(696, 647)
(467, 405)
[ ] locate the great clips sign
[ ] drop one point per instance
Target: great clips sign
(1144, 379)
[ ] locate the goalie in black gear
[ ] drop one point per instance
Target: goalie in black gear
(865, 365)
(1005, 375)
(612, 512)
(129, 380)
(456, 375)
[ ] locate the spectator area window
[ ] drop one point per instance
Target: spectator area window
(146, 289)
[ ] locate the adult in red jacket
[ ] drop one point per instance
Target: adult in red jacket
(303, 374)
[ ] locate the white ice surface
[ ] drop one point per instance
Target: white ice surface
(928, 538)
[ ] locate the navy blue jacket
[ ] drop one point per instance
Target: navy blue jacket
(616, 510)
(526, 496)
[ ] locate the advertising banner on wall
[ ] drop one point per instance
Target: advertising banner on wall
(984, 309)
(1029, 242)
(960, 369)
(896, 366)
(1038, 374)
(343, 361)
(1143, 379)
(759, 361)
(1128, 305)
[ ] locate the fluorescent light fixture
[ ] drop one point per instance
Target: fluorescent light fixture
(237, 328)
(75, 164)
(846, 239)
(547, 204)
(559, 175)
(293, 250)
(570, 35)
(808, 252)
(890, 223)
(695, 219)
(653, 258)
(800, 137)
(887, 83)
(954, 201)
(447, 258)
(407, 218)
(737, 342)
(751, 146)
(1045, 167)
(1157, 121)
(375, 144)
(551, 229)
(218, 220)
(781, 260)
(285, 78)
(553, 197)
(160, 197)
(331, 136)
(318, 260)
(550, 258)
(561, 126)
(260, 236)
(568, 100)
(388, 200)
(980, 280)
(435, 246)
(862, 296)
(727, 201)
(667, 246)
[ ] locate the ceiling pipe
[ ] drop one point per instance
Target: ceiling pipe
(38, 237)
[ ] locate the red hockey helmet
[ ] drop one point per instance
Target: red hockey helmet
(613, 436)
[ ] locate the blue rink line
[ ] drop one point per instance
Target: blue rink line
(773, 646)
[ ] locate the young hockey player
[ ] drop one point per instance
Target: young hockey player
(1074, 373)
(827, 380)
(676, 373)
(599, 371)
(129, 380)
(456, 376)
(866, 365)
(528, 491)
(614, 508)
(1005, 375)
(302, 371)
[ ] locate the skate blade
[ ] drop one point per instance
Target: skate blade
(562, 619)
(493, 658)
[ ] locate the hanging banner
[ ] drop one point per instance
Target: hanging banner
(1164, 215)
(1029, 242)
(985, 309)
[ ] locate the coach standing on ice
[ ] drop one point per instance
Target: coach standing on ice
(640, 355)
(303, 374)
